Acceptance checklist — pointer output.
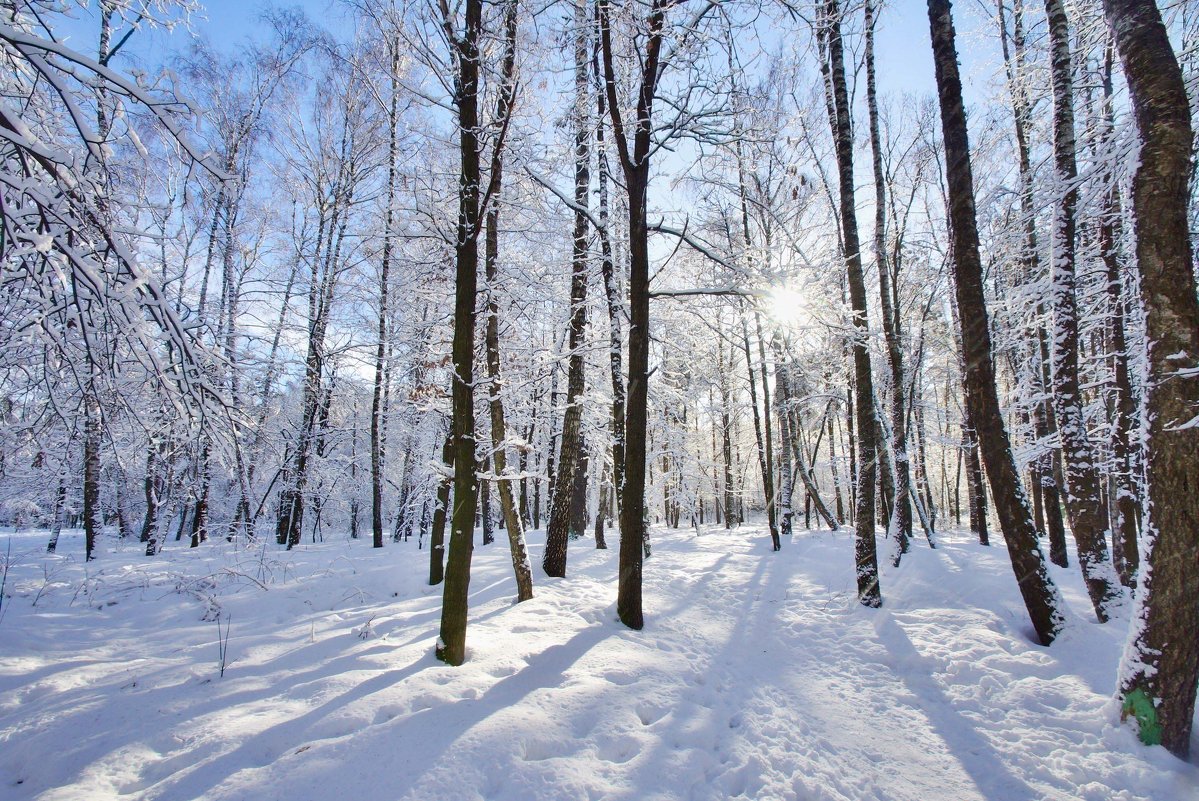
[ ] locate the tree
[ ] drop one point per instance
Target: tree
(865, 549)
(73, 275)
(473, 198)
(1084, 502)
(900, 525)
(635, 164)
(572, 456)
(513, 524)
(982, 396)
(1160, 667)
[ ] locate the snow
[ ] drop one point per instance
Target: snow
(757, 675)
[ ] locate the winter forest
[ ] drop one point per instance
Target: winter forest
(610, 399)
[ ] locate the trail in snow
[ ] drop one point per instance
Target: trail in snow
(757, 676)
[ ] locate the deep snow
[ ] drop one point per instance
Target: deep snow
(757, 676)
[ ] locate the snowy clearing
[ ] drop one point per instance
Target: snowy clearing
(758, 675)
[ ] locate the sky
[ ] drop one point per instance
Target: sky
(904, 54)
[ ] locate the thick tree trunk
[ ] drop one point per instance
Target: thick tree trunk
(982, 396)
(865, 548)
(1160, 669)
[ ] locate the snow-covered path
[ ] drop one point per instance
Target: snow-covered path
(757, 676)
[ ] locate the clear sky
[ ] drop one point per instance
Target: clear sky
(904, 54)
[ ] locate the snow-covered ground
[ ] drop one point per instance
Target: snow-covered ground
(757, 676)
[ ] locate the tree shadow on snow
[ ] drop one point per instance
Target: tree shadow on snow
(975, 753)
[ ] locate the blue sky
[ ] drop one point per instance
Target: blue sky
(904, 55)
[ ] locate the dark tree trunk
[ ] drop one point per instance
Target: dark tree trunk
(451, 646)
(634, 533)
(92, 516)
(726, 441)
(832, 458)
(611, 285)
(772, 498)
(865, 549)
(1160, 670)
(982, 396)
(440, 513)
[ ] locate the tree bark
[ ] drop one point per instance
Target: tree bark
(865, 548)
(900, 522)
(635, 163)
(1125, 551)
(377, 410)
(1088, 515)
(570, 460)
(982, 396)
(1160, 669)
(513, 524)
(764, 463)
(451, 645)
(92, 431)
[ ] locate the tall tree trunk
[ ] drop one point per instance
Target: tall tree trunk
(764, 462)
(982, 396)
(1124, 427)
(772, 498)
(832, 458)
(635, 164)
(1044, 470)
(1088, 514)
(377, 410)
(601, 544)
(451, 646)
(900, 522)
(92, 431)
(726, 443)
(786, 441)
(570, 461)
(513, 524)
(608, 269)
(865, 549)
(1160, 669)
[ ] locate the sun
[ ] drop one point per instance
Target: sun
(787, 308)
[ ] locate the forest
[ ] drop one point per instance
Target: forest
(599, 399)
